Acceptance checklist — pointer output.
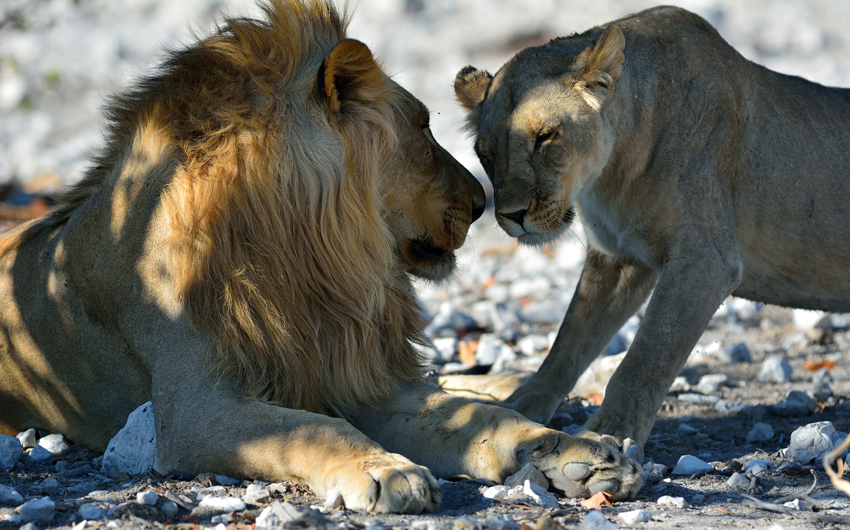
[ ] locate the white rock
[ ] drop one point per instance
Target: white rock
(10, 452)
(528, 472)
(446, 347)
(595, 379)
(277, 514)
(211, 491)
(27, 438)
(493, 351)
(634, 516)
(724, 405)
(688, 465)
(761, 432)
(333, 499)
(539, 494)
(701, 399)
(811, 442)
(14, 518)
(39, 510)
(711, 383)
(225, 504)
(794, 505)
(774, 369)
(806, 319)
(494, 522)
(738, 482)
(676, 502)
(28, 526)
(757, 466)
(147, 497)
(90, 511)
(55, 443)
(449, 316)
(79, 526)
(254, 494)
(496, 492)
(594, 520)
(133, 449)
(531, 344)
(9, 495)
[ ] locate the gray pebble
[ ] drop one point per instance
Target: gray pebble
(38, 510)
(10, 452)
(738, 482)
(40, 454)
(761, 432)
(774, 370)
(9, 495)
(686, 430)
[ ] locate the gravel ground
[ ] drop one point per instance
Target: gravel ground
(57, 61)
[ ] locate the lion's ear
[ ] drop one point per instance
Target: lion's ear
(471, 85)
(349, 74)
(603, 67)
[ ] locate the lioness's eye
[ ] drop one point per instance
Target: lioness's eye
(543, 137)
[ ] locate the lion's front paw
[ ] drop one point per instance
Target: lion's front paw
(581, 467)
(388, 484)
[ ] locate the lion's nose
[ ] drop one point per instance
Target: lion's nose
(516, 216)
(477, 211)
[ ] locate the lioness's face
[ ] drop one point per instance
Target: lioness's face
(430, 199)
(541, 131)
(540, 146)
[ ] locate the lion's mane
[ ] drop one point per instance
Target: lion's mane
(276, 239)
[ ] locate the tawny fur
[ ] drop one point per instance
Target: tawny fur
(247, 210)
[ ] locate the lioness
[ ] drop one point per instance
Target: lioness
(693, 170)
(239, 253)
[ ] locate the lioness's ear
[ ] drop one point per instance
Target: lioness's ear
(350, 74)
(603, 67)
(471, 85)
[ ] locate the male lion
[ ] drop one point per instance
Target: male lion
(694, 171)
(239, 254)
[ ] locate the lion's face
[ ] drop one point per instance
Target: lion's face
(430, 199)
(542, 135)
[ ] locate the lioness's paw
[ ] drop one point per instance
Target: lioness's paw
(389, 484)
(580, 467)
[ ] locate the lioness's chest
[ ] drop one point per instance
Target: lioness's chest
(613, 233)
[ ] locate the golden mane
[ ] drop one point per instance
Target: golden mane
(276, 235)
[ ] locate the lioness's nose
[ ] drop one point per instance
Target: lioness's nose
(516, 216)
(477, 210)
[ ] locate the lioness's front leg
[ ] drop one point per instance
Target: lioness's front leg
(608, 293)
(451, 435)
(701, 270)
(205, 424)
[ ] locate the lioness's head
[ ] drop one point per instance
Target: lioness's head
(542, 133)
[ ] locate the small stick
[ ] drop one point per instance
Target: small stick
(836, 474)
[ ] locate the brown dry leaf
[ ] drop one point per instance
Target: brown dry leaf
(597, 501)
(721, 510)
(595, 397)
(466, 350)
(814, 366)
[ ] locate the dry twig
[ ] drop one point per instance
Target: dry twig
(836, 474)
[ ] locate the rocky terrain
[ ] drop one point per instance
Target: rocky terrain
(758, 374)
